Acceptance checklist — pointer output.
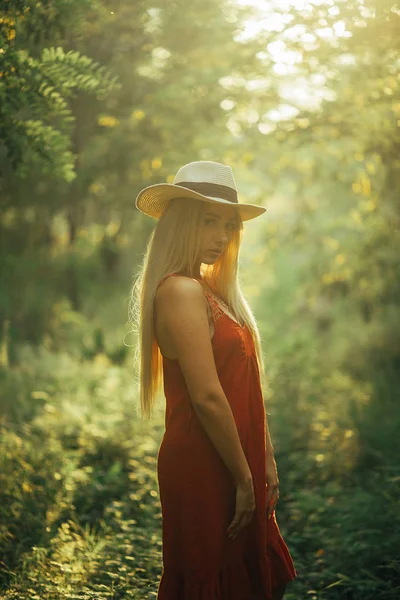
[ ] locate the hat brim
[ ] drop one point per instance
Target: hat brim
(154, 199)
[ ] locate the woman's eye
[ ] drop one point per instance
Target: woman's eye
(229, 226)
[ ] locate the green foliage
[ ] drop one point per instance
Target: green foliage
(79, 496)
(36, 115)
(336, 530)
(78, 489)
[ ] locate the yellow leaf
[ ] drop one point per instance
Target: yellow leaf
(108, 121)
(156, 163)
(366, 186)
(138, 115)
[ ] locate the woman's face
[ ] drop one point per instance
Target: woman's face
(218, 225)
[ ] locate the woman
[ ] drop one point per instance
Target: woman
(216, 470)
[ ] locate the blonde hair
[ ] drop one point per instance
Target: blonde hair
(173, 247)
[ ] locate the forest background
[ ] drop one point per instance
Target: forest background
(99, 99)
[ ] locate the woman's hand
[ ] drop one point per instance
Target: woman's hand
(272, 482)
(245, 507)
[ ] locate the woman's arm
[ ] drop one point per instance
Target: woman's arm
(181, 309)
(271, 474)
(268, 441)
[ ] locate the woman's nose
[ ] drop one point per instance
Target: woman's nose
(222, 238)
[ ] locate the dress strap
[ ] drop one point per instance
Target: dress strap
(215, 306)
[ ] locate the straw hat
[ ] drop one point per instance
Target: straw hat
(204, 180)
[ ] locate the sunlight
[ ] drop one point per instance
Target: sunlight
(275, 16)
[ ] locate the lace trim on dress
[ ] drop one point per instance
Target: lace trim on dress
(215, 306)
(219, 307)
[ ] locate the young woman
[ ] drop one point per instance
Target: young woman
(216, 470)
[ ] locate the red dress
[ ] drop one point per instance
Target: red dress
(197, 491)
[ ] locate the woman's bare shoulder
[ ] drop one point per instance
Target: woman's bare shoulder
(180, 300)
(177, 288)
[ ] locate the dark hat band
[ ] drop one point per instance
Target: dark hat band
(211, 189)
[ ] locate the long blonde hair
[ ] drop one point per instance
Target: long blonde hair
(173, 247)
